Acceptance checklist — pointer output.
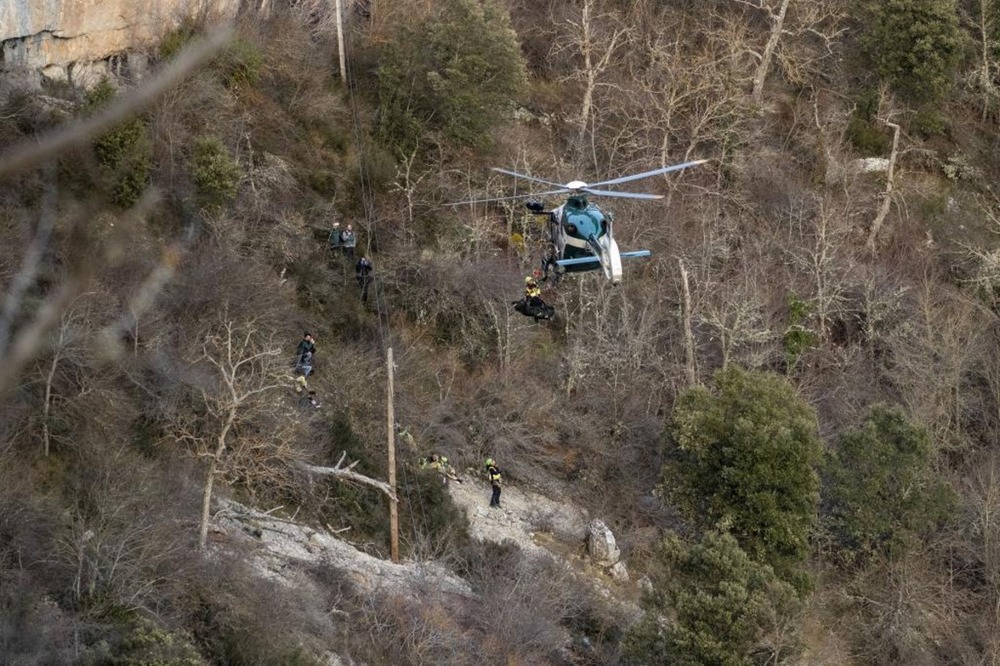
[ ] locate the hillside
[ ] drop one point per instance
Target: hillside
(787, 414)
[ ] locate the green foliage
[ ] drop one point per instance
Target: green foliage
(722, 603)
(798, 338)
(216, 174)
(870, 139)
(867, 138)
(177, 39)
(455, 71)
(363, 508)
(145, 644)
(928, 122)
(427, 507)
(741, 455)
(915, 45)
(881, 490)
(239, 65)
(124, 152)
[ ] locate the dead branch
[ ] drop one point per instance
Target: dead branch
(349, 474)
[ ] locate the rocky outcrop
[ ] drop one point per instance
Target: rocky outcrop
(523, 515)
(63, 38)
(278, 544)
(601, 544)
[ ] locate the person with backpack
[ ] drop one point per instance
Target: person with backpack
(333, 242)
(363, 273)
(304, 355)
(493, 474)
(440, 464)
(307, 344)
(348, 241)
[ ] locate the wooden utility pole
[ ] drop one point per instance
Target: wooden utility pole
(339, 8)
(391, 430)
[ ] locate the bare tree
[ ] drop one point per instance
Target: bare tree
(887, 197)
(824, 259)
(816, 19)
(736, 314)
(66, 345)
(597, 39)
(982, 78)
(241, 425)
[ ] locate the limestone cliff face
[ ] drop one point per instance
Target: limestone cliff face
(59, 33)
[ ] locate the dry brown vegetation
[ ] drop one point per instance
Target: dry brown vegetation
(145, 351)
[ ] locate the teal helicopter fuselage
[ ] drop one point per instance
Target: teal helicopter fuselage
(577, 224)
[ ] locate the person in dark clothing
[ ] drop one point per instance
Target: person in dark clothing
(493, 474)
(348, 241)
(304, 355)
(307, 344)
(304, 366)
(363, 273)
(333, 242)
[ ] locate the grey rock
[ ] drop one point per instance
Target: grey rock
(601, 544)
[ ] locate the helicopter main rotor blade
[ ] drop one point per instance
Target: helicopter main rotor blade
(623, 195)
(526, 177)
(508, 198)
(648, 174)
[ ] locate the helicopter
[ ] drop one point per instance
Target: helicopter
(581, 235)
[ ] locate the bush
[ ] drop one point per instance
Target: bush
(145, 644)
(216, 174)
(123, 153)
(177, 39)
(914, 45)
(741, 455)
(869, 139)
(798, 337)
(881, 493)
(239, 65)
(455, 71)
(725, 608)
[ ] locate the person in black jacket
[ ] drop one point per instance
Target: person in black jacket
(305, 351)
(363, 273)
(307, 344)
(493, 474)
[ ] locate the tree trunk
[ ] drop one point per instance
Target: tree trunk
(206, 498)
(765, 59)
(47, 405)
(206, 503)
(887, 196)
